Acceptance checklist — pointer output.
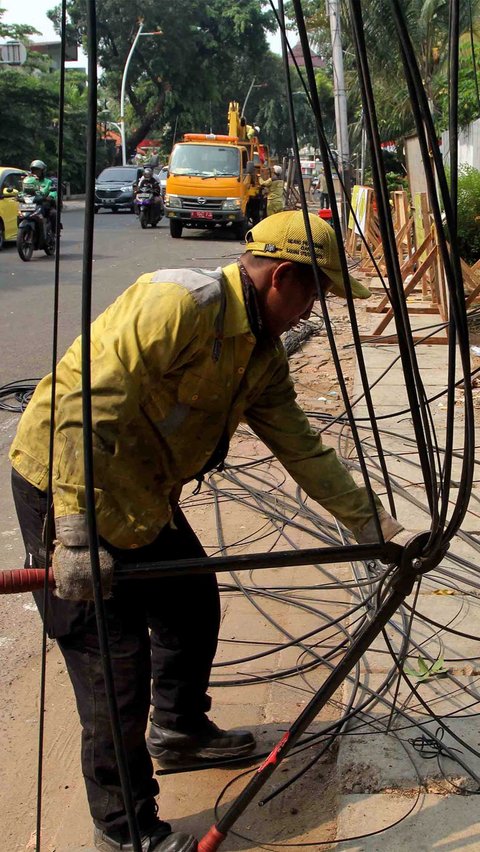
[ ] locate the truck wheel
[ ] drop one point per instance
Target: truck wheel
(176, 229)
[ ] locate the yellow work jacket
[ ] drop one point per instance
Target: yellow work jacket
(174, 364)
(275, 194)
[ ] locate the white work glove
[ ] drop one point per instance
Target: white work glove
(73, 573)
(392, 530)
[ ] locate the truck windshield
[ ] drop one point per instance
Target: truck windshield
(205, 160)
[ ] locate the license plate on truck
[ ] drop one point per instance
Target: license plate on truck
(202, 214)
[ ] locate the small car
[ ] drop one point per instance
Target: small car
(10, 185)
(114, 188)
(161, 176)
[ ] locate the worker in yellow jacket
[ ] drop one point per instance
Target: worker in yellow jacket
(178, 361)
(274, 187)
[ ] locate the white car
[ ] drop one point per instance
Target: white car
(162, 179)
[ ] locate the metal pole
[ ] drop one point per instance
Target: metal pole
(363, 152)
(29, 579)
(122, 94)
(248, 95)
(340, 100)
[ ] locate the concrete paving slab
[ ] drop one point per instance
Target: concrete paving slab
(371, 759)
(431, 824)
(371, 762)
(453, 613)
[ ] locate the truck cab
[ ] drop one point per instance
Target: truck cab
(213, 179)
(206, 183)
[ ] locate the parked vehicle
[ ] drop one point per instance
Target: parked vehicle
(114, 188)
(34, 229)
(150, 207)
(162, 179)
(10, 185)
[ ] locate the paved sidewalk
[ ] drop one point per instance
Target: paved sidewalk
(375, 778)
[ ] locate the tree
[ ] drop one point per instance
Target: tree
(16, 32)
(27, 127)
(428, 26)
(185, 76)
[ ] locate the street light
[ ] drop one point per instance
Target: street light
(124, 78)
(252, 86)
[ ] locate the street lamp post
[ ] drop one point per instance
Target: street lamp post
(124, 80)
(252, 86)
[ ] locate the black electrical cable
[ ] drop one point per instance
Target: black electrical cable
(413, 382)
(451, 261)
(25, 397)
(88, 431)
(343, 265)
(21, 391)
(280, 530)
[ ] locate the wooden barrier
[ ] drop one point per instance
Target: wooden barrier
(421, 265)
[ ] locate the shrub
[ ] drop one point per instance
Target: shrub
(468, 226)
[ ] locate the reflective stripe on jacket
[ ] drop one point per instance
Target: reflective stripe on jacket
(173, 366)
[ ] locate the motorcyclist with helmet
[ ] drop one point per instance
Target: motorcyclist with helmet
(45, 188)
(149, 183)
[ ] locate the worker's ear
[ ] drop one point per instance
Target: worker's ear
(283, 274)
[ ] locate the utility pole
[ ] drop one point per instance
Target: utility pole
(340, 100)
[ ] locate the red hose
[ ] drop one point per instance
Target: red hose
(211, 841)
(24, 580)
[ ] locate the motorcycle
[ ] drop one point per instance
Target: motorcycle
(150, 208)
(34, 230)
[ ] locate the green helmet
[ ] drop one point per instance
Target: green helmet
(30, 185)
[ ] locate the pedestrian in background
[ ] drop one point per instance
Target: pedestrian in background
(324, 198)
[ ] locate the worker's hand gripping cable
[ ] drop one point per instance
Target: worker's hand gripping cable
(73, 573)
(392, 531)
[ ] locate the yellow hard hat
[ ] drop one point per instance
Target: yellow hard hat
(283, 236)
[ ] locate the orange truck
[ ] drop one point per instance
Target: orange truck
(211, 178)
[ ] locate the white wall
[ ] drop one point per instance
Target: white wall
(468, 146)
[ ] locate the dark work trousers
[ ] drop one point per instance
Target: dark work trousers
(183, 617)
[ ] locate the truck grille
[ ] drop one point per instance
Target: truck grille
(192, 202)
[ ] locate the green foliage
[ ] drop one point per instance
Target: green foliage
(427, 671)
(396, 181)
(208, 53)
(27, 130)
(468, 224)
(428, 26)
(468, 96)
(16, 32)
(29, 126)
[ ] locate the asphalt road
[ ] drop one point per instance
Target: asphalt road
(122, 252)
